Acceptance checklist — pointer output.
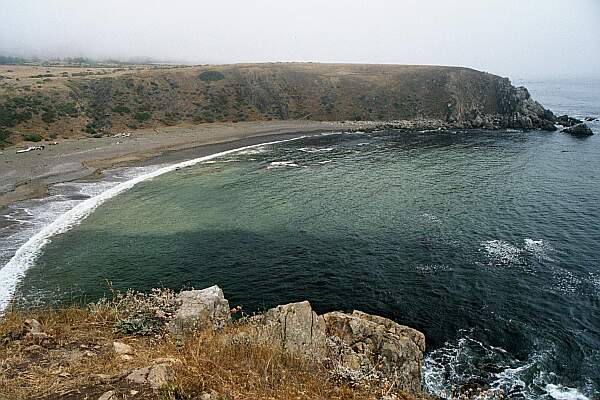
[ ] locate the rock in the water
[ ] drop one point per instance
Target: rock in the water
(567, 121)
(160, 375)
(122, 348)
(591, 119)
(296, 328)
(372, 343)
(110, 395)
(579, 130)
(200, 309)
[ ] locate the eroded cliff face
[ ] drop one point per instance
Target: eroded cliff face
(481, 100)
(116, 100)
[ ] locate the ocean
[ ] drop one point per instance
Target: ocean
(487, 241)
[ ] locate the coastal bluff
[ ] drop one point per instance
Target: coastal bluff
(192, 345)
(104, 101)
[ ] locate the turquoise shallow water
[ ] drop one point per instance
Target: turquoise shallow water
(486, 241)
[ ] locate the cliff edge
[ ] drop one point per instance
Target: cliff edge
(191, 345)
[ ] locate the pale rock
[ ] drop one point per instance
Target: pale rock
(33, 326)
(122, 348)
(296, 328)
(160, 375)
(373, 343)
(200, 309)
(139, 376)
(125, 357)
(210, 395)
(34, 330)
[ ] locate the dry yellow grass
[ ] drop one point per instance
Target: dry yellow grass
(69, 364)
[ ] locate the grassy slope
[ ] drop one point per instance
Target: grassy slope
(52, 101)
(77, 361)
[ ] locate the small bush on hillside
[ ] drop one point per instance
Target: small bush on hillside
(69, 109)
(121, 109)
(141, 313)
(211, 76)
(143, 116)
(49, 116)
(4, 135)
(90, 128)
(32, 137)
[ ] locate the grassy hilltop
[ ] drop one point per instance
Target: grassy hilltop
(38, 102)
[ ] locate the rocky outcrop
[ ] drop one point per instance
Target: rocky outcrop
(567, 121)
(156, 376)
(461, 98)
(357, 346)
(200, 309)
(367, 343)
(579, 130)
(486, 101)
(296, 328)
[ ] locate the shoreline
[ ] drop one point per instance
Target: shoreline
(26, 254)
(29, 175)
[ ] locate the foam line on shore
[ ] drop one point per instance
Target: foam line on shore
(25, 256)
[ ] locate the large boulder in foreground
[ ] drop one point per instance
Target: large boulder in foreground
(296, 328)
(200, 309)
(579, 130)
(368, 343)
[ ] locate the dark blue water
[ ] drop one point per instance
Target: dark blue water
(489, 242)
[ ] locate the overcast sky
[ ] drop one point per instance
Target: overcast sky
(515, 38)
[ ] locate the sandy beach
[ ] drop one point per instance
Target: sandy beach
(27, 175)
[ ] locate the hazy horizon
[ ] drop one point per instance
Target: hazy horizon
(521, 40)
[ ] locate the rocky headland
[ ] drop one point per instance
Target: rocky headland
(62, 103)
(192, 345)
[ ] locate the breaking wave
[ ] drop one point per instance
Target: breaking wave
(470, 369)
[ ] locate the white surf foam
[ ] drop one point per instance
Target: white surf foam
(539, 248)
(560, 392)
(315, 150)
(25, 256)
(282, 164)
(457, 363)
(501, 252)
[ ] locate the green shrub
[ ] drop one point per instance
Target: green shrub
(10, 117)
(32, 137)
(49, 116)
(121, 109)
(142, 323)
(211, 76)
(142, 116)
(69, 109)
(90, 128)
(4, 135)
